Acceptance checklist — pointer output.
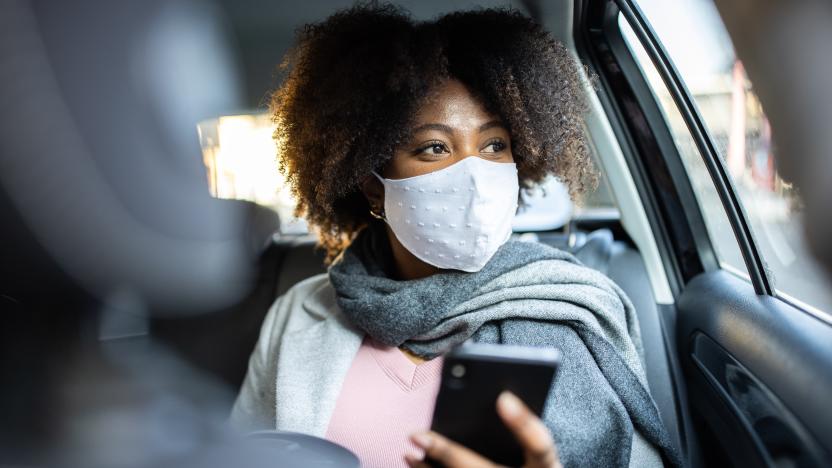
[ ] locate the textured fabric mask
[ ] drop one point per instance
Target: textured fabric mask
(455, 218)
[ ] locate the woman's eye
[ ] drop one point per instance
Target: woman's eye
(494, 147)
(433, 149)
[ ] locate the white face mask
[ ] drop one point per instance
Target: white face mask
(455, 218)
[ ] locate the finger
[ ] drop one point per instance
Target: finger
(448, 452)
(414, 462)
(531, 433)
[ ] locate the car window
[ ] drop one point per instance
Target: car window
(240, 162)
(597, 202)
(716, 220)
(695, 39)
(239, 156)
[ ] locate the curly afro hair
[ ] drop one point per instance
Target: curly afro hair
(354, 81)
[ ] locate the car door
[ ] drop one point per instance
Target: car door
(751, 326)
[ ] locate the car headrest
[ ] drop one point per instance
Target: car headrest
(99, 154)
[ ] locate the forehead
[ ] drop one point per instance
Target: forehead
(452, 104)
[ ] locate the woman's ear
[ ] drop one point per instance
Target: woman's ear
(373, 189)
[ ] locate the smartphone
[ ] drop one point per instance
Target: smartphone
(473, 375)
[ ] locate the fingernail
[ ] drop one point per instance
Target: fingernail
(422, 440)
(510, 403)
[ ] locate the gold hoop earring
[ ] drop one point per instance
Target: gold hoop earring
(377, 215)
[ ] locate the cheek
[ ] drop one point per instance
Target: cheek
(401, 165)
(506, 157)
(404, 164)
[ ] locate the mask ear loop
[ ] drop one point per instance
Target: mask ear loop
(373, 209)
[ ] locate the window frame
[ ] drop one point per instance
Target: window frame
(642, 128)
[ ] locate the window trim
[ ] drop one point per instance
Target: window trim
(707, 148)
(603, 43)
(644, 139)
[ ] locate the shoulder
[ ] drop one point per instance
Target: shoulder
(315, 289)
(524, 251)
(552, 265)
(306, 302)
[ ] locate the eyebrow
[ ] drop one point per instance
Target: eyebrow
(450, 131)
(434, 126)
(491, 124)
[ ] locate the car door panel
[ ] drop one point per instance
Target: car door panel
(759, 370)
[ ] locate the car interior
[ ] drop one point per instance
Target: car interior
(739, 364)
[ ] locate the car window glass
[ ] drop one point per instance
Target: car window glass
(716, 220)
(240, 162)
(695, 39)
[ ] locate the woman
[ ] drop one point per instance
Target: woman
(406, 145)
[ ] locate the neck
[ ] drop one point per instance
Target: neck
(408, 266)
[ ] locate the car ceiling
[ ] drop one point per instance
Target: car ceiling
(263, 31)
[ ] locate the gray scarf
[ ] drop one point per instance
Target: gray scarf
(527, 294)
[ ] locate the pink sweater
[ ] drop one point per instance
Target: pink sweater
(385, 398)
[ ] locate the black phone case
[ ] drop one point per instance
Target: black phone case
(466, 406)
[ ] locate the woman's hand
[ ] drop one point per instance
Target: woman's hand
(537, 443)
